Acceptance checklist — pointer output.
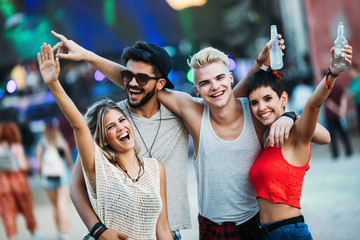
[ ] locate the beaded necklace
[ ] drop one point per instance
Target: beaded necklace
(141, 166)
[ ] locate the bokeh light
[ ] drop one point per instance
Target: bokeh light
(99, 76)
(170, 50)
(232, 64)
(11, 86)
(1, 93)
(189, 76)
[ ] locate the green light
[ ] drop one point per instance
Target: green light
(109, 12)
(189, 76)
(7, 8)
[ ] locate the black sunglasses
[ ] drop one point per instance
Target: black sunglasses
(141, 78)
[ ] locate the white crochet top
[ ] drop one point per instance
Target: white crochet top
(120, 204)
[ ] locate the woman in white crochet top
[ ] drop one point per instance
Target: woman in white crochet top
(127, 193)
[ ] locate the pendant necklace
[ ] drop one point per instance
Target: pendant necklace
(141, 166)
(142, 139)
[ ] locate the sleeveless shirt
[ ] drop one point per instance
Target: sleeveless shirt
(225, 193)
(131, 208)
(276, 179)
(170, 148)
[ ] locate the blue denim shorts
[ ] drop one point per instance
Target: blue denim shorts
(55, 182)
(296, 231)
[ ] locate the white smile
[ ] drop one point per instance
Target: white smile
(217, 94)
(264, 115)
(135, 91)
(124, 136)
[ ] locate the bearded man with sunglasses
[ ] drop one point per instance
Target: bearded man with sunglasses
(161, 133)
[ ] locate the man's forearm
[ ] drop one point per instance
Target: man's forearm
(80, 198)
(110, 69)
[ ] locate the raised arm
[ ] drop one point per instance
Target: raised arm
(68, 49)
(307, 122)
(263, 58)
(50, 69)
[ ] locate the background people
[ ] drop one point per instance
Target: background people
(55, 162)
(354, 90)
(15, 192)
(335, 113)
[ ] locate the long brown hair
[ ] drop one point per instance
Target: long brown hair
(10, 133)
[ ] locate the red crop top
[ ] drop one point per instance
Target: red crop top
(276, 179)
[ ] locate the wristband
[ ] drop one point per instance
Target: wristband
(262, 66)
(96, 226)
(267, 68)
(101, 231)
(330, 73)
(328, 83)
(291, 115)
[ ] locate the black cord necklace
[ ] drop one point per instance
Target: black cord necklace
(141, 167)
(142, 139)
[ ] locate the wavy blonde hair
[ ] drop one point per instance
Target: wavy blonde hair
(94, 118)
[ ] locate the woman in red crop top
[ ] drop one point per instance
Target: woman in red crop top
(278, 173)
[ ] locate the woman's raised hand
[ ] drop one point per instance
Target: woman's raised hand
(49, 67)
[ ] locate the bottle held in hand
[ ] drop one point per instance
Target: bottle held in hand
(339, 44)
(276, 61)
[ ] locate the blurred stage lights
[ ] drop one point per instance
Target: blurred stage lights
(181, 4)
(1, 93)
(11, 86)
(232, 64)
(99, 76)
(189, 76)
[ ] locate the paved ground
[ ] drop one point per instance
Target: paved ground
(330, 200)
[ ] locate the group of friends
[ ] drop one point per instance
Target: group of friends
(250, 155)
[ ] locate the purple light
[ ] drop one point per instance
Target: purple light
(11, 86)
(232, 64)
(99, 76)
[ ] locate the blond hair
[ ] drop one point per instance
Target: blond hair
(207, 56)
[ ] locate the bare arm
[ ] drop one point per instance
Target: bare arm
(50, 69)
(68, 49)
(264, 58)
(186, 107)
(307, 122)
(162, 226)
(39, 153)
(68, 156)
(321, 135)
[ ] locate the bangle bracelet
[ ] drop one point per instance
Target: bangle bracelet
(96, 226)
(291, 115)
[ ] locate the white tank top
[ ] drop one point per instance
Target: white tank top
(225, 193)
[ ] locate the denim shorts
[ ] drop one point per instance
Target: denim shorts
(55, 182)
(296, 231)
